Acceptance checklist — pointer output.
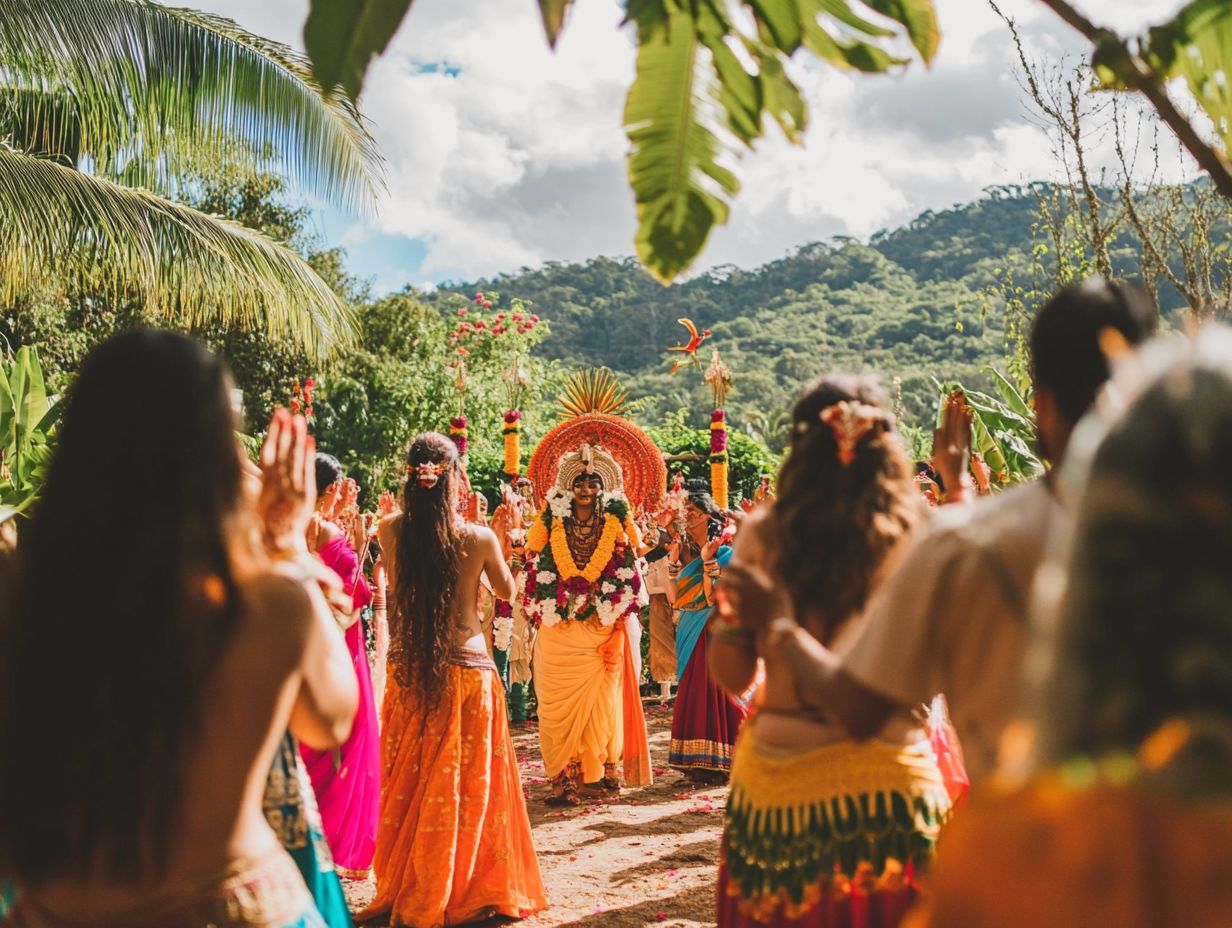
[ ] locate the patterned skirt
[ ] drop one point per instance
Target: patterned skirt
(705, 720)
(831, 838)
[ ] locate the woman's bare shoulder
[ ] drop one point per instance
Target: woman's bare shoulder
(277, 599)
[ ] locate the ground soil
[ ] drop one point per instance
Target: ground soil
(648, 859)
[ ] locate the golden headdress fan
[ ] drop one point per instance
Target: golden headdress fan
(592, 403)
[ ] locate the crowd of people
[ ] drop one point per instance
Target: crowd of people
(224, 690)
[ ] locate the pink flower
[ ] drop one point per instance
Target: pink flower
(462, 352)
(486, 305)
(499, 330)
(534, 318)
(462, 311)
(309, 384)
(481, 324)
(479, 297)
(517, 317)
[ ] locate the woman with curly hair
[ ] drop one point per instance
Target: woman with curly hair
(453, 844)
(821, 830)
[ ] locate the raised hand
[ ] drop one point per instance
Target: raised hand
(288, 485)
(952, 445)
(750, 597)
(387, 505)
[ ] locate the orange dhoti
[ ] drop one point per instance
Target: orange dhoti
(454, 841)
(590, 709)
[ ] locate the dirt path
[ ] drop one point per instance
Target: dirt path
(649, 859)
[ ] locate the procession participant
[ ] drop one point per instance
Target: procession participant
(184, 655)
(593, 469)
(509, 523)
(705, 720)
(953, 617)
(581, 587)
(821, 830)
(346, 782)
(662, 630)
(454, 841)
(1121, 812)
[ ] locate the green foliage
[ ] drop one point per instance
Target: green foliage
(1003, 429)
(748, 459)
(108, 108)
(705, 84)
(27, 432)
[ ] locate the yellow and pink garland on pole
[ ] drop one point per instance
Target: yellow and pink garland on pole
(718, 375)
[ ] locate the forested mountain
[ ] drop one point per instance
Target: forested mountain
(908, 304)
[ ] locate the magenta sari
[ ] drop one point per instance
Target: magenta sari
(347, 782)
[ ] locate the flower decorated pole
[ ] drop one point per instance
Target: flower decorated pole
(718, 375)
(516, 380)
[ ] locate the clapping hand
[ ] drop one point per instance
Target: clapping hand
(952, 445)
(387, 505)
(288, 485)
(750, 597)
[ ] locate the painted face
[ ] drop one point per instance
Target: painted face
(586, 489)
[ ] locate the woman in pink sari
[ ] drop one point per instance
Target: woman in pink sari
(347, 781)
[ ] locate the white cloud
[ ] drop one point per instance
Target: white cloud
(505, 154)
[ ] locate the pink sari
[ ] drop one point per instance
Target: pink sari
(347, 782)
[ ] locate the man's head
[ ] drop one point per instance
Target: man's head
(1068, 365)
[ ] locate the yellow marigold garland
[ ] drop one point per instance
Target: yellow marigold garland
(513, 442)
(718, 458)
(536, 536)
(598, 561)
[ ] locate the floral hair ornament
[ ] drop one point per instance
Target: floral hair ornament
(850, 422)
(427, 474)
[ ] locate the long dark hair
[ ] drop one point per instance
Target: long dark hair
(125, 600)
(429, 549)
(836, 523)
(1144, 633)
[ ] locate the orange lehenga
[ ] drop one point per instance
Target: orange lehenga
(453, 842)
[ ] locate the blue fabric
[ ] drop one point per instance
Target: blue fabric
(693, 621)
(291, 809)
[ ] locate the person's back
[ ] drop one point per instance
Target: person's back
(1120, 809)
(134, 754)
(453, 844)
(814, 831)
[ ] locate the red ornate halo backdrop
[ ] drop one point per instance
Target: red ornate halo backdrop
(641, 462)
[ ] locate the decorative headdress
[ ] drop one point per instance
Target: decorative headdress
(592, 428)
(850, 421)
(427, 474)
(590, 459)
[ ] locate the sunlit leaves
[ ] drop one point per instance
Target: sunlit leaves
(61, 229)
(147, 92)
(1197, 45)
(343, 36)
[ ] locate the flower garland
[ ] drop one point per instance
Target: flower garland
(301, 398)
(458, 432)
(513, 442)
(718, 458)
(608, 587)
(502, 625)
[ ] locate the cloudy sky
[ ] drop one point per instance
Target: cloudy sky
(502, 154)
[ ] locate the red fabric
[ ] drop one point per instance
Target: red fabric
(853, 908)
(705, 720)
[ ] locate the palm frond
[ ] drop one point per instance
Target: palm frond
(133, 82)
(64, 229)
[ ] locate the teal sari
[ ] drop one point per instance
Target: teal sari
(291, 810)
(694, 611)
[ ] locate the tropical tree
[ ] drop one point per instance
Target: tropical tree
(705, 88)
(27, 432)
(107, 106)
